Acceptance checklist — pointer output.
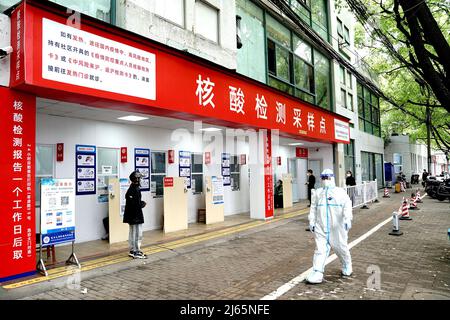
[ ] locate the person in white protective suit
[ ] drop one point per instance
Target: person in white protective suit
(330, 219)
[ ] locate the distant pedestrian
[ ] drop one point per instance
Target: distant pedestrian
(350, 179)
(424, 177)
(279, 194)
(311, 182)
(134, 216)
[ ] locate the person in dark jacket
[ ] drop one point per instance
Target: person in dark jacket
(133, 215)
(424, 177)
(311, 182)
(350, 179)
(279, 194)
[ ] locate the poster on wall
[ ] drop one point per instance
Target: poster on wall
(124, 185)
(142, 165)
(226, 169)
(217, 189)
(85, 169)
(184, 159)
(57, 211)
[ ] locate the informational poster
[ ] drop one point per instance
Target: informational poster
(226, 169)
(85, 169)
(57, 211)
(185, 166)
(142, 165)
(74, 56)
(217, 189)
(341, 130)
(124, 185)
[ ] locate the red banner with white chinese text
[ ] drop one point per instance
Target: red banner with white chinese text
(114, 69)
(17, 201)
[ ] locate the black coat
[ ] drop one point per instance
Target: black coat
(311, 181)
(133, 206)
(350, 181)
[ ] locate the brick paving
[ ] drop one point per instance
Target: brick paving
(253, 263)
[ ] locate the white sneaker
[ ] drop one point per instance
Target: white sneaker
(315, 277)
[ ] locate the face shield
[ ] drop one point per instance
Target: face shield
(327, 177)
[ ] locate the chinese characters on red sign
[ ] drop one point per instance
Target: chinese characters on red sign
(268, 176)
(17, 210)
(301, 152)
(123, 155)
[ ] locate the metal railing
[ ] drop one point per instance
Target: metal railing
(362, 194)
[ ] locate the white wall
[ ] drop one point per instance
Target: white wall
(5, 40)
(137, 16)
(71, 131)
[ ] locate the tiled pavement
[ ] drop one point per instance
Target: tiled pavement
(253, 263)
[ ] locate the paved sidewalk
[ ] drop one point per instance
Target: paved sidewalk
(253, 263)
(414, 266)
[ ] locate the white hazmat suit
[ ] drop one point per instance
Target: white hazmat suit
(330, 219)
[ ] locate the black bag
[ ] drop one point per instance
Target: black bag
(143, 204)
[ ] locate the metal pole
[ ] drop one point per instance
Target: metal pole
(429, 139)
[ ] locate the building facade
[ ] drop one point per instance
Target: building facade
(128, 81)
(410, 157)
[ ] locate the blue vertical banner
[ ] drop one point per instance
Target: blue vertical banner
(184, 159)
(142, 164)
(85, 167)
(226, 174)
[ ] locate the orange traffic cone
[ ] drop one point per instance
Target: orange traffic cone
(413, 204)
(386, 193)
(419, 199)
(405, 210)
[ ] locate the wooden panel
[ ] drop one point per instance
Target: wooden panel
(175, 206)
(118, 231)
(287, 190)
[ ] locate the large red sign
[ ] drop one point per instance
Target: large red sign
(17, 201)
(184, 88)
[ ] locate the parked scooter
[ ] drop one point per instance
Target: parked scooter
(443, 190)
(438, 189)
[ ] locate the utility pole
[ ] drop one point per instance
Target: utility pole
(428, 138)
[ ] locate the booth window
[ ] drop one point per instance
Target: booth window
(197, 172)
(44, 167)
(107, 167)
(235, 171)
(158, 168)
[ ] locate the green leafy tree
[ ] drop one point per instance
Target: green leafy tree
(407, 44)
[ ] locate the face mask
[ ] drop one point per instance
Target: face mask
(349, 175)
(327, 183)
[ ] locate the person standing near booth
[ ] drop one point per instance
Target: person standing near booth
(134, 216)
(311, 182)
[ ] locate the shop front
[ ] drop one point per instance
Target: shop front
(91, 102)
